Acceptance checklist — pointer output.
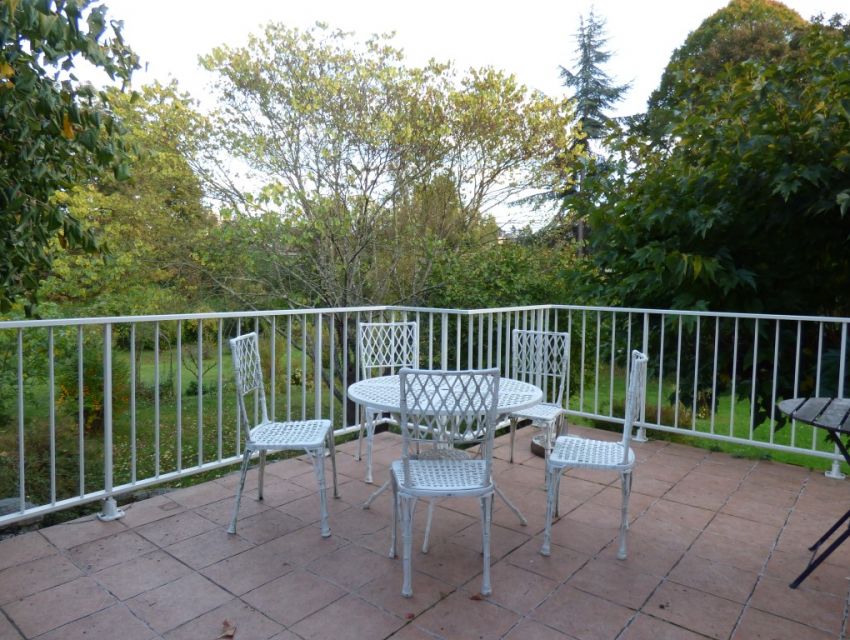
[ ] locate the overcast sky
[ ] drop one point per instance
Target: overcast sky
(530, 38)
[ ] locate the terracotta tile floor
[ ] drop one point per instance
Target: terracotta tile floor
(713, 543)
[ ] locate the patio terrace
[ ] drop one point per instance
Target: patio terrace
(713, 544)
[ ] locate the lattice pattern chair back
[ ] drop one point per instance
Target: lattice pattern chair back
(541, 358)
(248, 373)
(386, 347)
(635, 396)
(440, 409)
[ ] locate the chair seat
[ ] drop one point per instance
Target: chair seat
(443, 476)
(295, 434)
(570, 451)
(543, 412)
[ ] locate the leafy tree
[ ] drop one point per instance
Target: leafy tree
(594, 93)
(149, 225)
(346, 139)
(55, 131)
(747, 211)
(594, 90)
(743, 30)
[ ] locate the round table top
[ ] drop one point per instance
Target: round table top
(384, 394)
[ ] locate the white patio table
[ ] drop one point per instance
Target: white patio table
(383, 394)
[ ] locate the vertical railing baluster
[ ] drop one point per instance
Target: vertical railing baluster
(133, 376)
(694, 398)
(304, 366)
(81, 421)
(714, 373)
(273, 368)
(178, 394)
(156, 402)
(22, 484)
(611, 364)
(835, 470)
(678, 372)
(110, 507)
(753, 380)
(200, 403)
(317, 368)
(598, 362)
(332, 367)
(796, 391)
(220, 389)
(774, 385)
(289, 367)
(732, 400)
(660, 366)
(52, 412)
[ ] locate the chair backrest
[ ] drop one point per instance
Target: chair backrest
(441, 408)
(386, 347)
(541, 358)
(248, 373)
(635, 397)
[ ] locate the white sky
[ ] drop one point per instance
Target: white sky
(531, 38)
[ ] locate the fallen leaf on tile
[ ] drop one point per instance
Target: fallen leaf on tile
(228, 630)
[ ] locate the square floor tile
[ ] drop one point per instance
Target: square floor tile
(137, 575)
(514, 588)
(208, 548)
(759, 625)
(815, 609)
(175, 603)
(349, 618)
(615, 581)
(351, 566)
(694, 610)
(582, 615)
(107, 624)
(46, 610)
(250, 569)
(293, 597)
(23, 548)
(235, 616)
(104, 552)
(36, 575)
(467, 616)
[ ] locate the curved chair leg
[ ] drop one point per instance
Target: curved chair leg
(553, 485)
(396, 507)
(512, 507)
(261, 472)
(408, 505)
(318, 456)
(332, 448)
(246, 459)
(513, 438)
(376, 493)
(486, 516)
(626, 483)
(428, 526)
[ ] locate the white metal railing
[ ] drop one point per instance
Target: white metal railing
(92, 408)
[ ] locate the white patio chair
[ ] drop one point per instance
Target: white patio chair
(541, 358)
(586, 453)
(439, 408)
(384, 348)
(309, 435)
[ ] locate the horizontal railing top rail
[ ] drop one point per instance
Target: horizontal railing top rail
(261, 313)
